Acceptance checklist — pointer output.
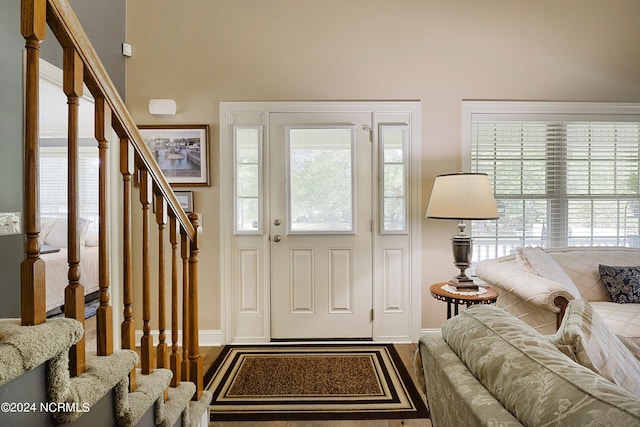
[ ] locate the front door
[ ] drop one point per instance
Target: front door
(320, 189)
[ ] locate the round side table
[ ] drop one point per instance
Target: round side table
(450, 298)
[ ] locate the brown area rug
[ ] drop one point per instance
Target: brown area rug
(311, 382)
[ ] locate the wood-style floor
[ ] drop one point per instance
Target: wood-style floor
(209, 355)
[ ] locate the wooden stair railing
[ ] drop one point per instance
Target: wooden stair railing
(81, 65)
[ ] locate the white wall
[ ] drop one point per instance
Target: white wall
(439, 51)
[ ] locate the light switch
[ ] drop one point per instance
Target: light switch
(10, 223)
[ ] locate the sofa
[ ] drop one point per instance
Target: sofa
(536, 285)
(486, 368)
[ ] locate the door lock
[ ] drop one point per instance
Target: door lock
(276, 222)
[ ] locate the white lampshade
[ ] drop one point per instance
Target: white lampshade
(462, 196)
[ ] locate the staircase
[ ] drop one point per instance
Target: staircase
(46, 375)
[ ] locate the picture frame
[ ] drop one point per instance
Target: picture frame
(182, 152)
(185, 198)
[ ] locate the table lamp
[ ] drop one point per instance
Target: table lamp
(462, 196)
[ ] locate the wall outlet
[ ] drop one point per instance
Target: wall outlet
(10, 223)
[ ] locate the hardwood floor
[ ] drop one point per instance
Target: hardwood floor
(209, 355)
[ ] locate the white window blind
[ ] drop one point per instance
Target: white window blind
(53, 182)
(557, 181)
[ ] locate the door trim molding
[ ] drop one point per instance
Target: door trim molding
(386, 326)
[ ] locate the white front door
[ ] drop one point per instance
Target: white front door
(320, 202)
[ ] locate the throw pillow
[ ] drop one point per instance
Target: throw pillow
(622, 283)
(58, 235)
(536, 261)
(596, 347)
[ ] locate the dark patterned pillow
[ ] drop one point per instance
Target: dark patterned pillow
(622, 283)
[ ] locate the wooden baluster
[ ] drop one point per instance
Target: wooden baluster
(104, 314)
(184, 253)
(162, 355)
(32, 269)
(174, 359)
(74, 292)
(128, 330)
(146, 342)
(195, 360)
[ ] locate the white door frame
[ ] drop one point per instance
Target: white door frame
(397, 303)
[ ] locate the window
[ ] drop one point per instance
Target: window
(563, 174)
(247, 142)
(393, 159)
(320, 179)
(53, 182)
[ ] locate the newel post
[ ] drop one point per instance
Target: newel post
(195, 360)
(32, 270)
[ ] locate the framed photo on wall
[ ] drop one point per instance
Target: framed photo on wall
(182, 152)
(185, 198)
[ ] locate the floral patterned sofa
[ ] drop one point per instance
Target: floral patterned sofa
(536, 285)
(487, 369)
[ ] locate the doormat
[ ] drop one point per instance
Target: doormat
(311, 382)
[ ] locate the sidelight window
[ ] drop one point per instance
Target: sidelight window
(247, 142)
(393, 171)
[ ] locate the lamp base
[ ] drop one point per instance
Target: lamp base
(463, 284)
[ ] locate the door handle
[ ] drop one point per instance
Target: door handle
(277, 238)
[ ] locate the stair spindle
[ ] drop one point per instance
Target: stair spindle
(128, 330)
(104, 314)
(185, 252)
(32, 269)
(146, 342)
(74, 292)
(162, 355)
(174, 359)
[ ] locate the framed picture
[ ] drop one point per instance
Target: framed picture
(182, 152)
(185, 198)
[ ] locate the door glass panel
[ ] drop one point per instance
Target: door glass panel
(248, 179)
(320, 184)
(393, 140)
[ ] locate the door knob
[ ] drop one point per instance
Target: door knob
(277, 238)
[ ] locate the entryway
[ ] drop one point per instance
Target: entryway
(323, 239)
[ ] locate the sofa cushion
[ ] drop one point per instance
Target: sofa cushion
(622, 319)
(622, 283)
(517, 365)
(581, 265)
(535, 260)
(595, 346)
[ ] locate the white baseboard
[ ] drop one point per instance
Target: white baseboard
(206, 338)
(213, 337)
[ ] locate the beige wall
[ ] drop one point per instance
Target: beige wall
(438, 51)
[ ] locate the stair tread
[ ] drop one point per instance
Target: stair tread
(24, 347)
